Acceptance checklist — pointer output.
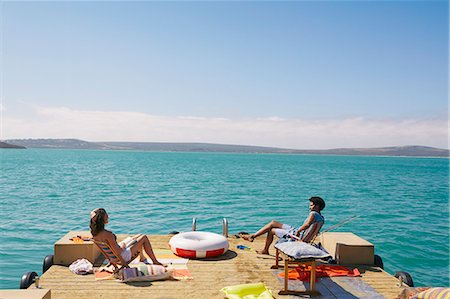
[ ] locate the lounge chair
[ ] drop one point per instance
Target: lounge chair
(308, 237)
(114, 257)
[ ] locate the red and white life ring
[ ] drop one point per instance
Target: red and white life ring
(198, 244)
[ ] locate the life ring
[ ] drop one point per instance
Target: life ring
(198, 244)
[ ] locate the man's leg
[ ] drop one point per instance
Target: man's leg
(269, 240)
(265, 229)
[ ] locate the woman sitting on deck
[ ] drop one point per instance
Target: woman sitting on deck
(306, 233)
(99, 218)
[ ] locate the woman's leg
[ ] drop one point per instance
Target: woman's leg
(144, 243)
(265, 229)
(141, 254)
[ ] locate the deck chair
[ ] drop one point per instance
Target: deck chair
(114, 257)
(308, 237)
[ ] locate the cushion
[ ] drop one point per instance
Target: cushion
(301, 250)
(144, 272)
(434, 293)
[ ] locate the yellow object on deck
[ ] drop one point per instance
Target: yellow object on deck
(248, 291)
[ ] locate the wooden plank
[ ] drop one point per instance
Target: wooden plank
(210, 275)
(25, 294)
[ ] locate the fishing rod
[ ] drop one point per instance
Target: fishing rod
(330, 228)
(345, 221)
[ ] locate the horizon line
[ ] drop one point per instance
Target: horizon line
(231, 144)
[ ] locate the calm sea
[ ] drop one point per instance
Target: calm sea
(402, 202)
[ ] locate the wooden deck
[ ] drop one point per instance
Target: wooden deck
(210, 275)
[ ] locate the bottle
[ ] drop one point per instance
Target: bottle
(243, 247)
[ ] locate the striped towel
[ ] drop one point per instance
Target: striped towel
(177, 264)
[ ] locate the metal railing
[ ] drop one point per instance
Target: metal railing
(224, 226)
(194, 224)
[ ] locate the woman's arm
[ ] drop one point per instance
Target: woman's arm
(307, 224)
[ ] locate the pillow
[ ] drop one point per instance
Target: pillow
(144, 272)
(301, 250)
(434, 293)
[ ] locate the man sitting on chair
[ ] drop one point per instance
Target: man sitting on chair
(306, 233)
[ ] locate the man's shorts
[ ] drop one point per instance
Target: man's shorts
(280, 232)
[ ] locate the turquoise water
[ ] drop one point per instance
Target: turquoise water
(403, 202)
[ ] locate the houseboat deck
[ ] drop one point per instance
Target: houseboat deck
(210, 275)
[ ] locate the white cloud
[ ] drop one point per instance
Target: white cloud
(61, 122)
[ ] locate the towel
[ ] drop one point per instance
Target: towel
(177, 264)
(303, 273)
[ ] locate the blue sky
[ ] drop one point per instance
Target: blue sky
(289, 74)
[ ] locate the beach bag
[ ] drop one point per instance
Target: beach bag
(144, 272)
(81, 267)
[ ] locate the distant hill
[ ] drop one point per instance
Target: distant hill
(405, 151)
(142, 146)
(190, 147)
(408, 151)
(7, 145)
(57, 143)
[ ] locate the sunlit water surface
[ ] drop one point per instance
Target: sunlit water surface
(402, 202)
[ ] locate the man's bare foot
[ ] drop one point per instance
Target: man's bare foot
(262, 252)
(249, 238)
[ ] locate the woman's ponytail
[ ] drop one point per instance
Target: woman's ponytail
(97, 221)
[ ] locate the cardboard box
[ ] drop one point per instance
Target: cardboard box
(66, 251)
(26, 294)
(348, 248)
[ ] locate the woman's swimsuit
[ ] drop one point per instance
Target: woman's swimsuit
(126, 253)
